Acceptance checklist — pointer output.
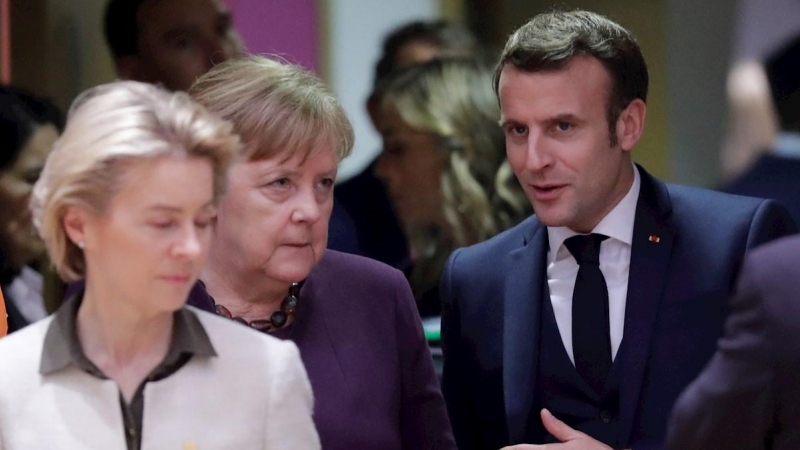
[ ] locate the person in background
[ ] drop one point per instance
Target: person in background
(126, 201)
(748, 397)
(169, 42)
(28, 127)
(444, 165)
(353, 318)
(752, 119)
(3, 316)
(776, 173)
(363, 197)
(578, 328)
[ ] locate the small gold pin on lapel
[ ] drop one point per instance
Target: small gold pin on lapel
(654, 238)
(189, 445)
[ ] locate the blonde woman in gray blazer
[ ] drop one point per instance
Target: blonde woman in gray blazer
(127, 200)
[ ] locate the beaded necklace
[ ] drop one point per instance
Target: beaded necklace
(277, 320)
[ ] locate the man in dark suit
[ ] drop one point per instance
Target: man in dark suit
(748, 397)
(776, 174)
(581, 326)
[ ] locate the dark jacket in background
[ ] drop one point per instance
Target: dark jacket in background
(772, 176)
(748, 397)
(380, 237)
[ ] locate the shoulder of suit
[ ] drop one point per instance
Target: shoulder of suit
(334, 265)
(20, 343)
(709, 195)
(21, 353)
(782, 253)
(505, 241)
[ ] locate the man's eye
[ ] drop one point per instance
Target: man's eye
(223, 29)
(517, 130)
(564, 126)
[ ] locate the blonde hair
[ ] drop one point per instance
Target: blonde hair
(275, 107)
(452, 98)
(108, 128)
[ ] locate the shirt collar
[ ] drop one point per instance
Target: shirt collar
(617, 224)
(62, 348)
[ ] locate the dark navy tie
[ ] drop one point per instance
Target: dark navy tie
(591, 337)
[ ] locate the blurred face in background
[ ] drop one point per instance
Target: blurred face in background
(179, 40)
(154, 236)
(410, 54)
(411, 167)
(273, 220)
(17, 234)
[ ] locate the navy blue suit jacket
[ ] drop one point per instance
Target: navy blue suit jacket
(678, 293)
(748, 397)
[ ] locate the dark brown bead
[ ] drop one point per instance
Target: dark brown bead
(289, 305)
(240, 320)
(261, 325)
(223, 311)
(278, 319)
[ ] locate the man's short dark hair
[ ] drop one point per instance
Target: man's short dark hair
(121, 30)
(451, 38)
(783, 74)
(550, 40)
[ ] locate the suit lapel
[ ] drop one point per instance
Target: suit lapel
(650, 255)
(522, 306)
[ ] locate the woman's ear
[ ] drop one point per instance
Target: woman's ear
(630, 124)
(75, 224)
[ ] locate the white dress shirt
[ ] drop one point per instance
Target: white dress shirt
(615, 261)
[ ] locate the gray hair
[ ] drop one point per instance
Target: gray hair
(275, 107)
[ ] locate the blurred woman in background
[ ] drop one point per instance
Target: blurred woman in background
(28, 128)
(126, 201)
(444, 165)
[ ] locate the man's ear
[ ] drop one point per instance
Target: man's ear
(128, 68)
(75, 224)
(630, 124)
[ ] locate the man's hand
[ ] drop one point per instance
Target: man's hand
(570, 439)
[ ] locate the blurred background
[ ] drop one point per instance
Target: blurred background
(57, 50)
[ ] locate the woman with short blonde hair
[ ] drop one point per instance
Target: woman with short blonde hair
(353, 319)
(111, 127)
(126, 200)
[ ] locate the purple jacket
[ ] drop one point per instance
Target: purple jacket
(362, 344)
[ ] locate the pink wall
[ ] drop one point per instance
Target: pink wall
(284, 27)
